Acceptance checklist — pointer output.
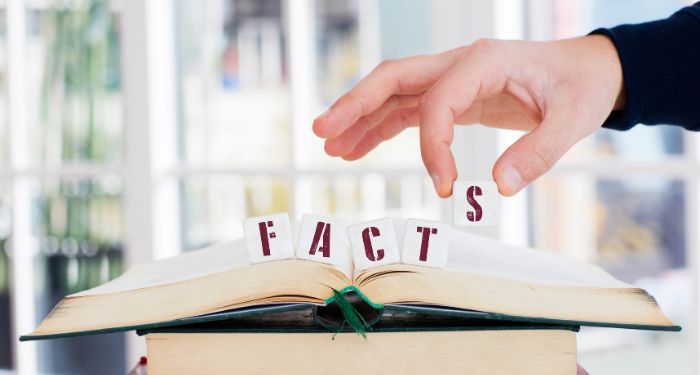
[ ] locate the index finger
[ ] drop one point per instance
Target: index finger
(404, 76)
(470, 79)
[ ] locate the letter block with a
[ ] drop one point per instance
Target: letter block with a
(373, 244)
(426, 243)
(323, 239)
(474, 203)
(268, 238)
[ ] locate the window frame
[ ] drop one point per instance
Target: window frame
(151, 170)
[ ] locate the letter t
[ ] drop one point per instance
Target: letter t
(426, 232)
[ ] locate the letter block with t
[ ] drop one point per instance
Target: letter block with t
(426, 243)
(474, 203)
(323, 239)
(374, 244)
(268, 238)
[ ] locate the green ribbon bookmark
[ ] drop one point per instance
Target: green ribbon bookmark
(350, 315)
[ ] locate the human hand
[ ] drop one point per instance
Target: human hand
(559, 91)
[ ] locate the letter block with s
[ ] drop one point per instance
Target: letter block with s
(268, 238)
(474, 203)
(374, 244)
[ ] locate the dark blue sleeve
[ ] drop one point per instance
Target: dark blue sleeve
(661, 71)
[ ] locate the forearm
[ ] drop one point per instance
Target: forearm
(661, 71)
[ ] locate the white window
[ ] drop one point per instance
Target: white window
(132, 130)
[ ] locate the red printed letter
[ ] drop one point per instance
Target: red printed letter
(369, 251)
(426, 232)
(478, 213)
(322, 229)
(265, 236)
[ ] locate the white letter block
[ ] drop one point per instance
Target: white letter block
(426, 243)
(475, 203)
(324, 239)
(373, 244)
(268, 238)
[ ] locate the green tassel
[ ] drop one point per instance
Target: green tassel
(342, 325)
(353, 317)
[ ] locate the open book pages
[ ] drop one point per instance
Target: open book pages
(214, 259)
(480, 255)
(481, 274)
(468, 253)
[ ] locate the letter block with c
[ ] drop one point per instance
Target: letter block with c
(373, 243)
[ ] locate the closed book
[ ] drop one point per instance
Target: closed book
(400, 341)
(496, 352)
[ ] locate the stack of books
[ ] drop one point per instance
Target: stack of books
(494, 309)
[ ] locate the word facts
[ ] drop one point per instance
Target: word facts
(328, 240)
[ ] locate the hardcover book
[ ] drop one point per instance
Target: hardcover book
(484, 281)
(536, 351)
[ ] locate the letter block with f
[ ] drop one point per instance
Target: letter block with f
(268, 238)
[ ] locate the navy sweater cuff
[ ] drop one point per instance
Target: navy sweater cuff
(661, 71)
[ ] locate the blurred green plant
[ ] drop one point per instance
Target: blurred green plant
(4, 268)
(81, 230)
(80, 90)
(81, 76)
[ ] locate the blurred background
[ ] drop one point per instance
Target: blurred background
(132, 130)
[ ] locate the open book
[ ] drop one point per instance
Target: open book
(483, 278)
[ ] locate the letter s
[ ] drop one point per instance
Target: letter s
(478, 211)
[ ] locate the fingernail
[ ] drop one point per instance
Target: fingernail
(436, 181)
(512, 179)
(323, 115)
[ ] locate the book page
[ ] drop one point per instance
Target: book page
(284, 281)
(485, 275)
(222, 257)
(480, 255)
(214, 259)
(468, 253)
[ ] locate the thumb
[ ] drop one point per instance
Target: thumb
(532, 155)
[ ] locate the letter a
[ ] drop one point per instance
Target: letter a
(323, 230)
